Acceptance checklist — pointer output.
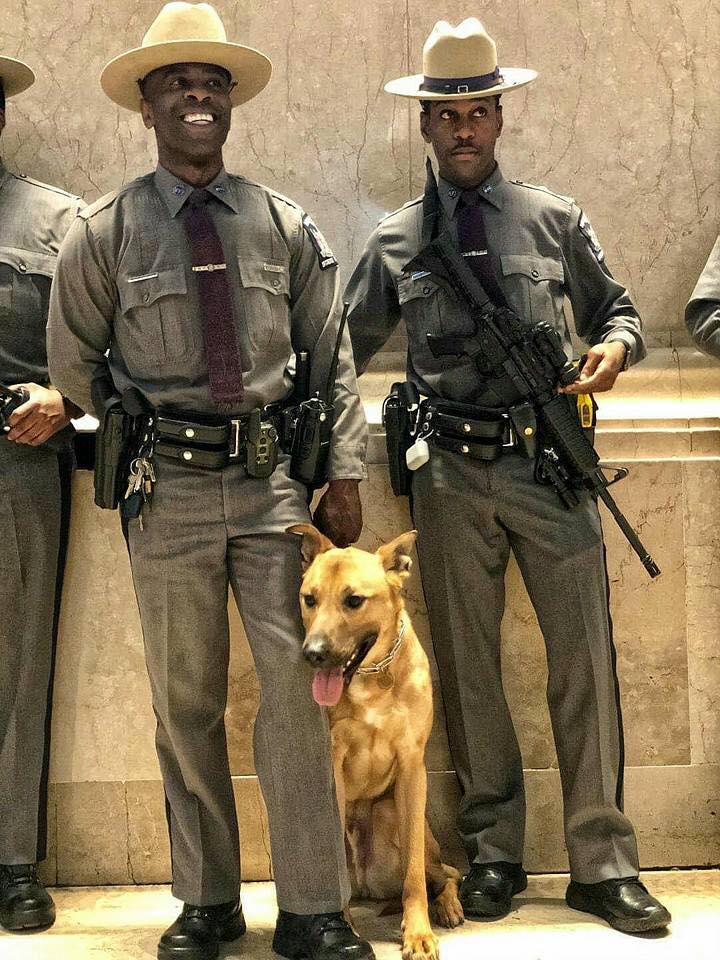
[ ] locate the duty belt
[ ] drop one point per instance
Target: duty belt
(210, 444)
(480, 433)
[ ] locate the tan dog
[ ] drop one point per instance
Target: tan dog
(373, 674)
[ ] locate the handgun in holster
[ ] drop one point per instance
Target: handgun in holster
(398, 422)
(114, 443)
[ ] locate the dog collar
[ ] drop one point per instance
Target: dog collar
(386, 661)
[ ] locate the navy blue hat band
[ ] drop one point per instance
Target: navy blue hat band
(461, 84)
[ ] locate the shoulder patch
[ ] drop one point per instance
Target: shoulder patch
(326, 257)
(587, 231)
(45, 186)
(532, 186)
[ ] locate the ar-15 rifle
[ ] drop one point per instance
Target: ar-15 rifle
(10, 399)
(530, 358)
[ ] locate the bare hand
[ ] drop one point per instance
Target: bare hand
(604, 362)
(41, 416)
(339, 513)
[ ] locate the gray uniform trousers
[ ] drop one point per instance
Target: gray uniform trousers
(469, 515)
(206, 528)
(34, 518)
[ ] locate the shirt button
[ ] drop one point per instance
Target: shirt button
(452, 193)
(426, 290)
(22, 266)
(146, 297)
(276, 282)
(534, 274)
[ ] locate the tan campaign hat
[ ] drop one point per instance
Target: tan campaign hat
(460, 63)
(16, 76)
(185, 33)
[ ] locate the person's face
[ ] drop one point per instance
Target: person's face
(463, 134)
(188, 105)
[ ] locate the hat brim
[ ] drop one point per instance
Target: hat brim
(249, 68)
(512, 79)
(16, 76)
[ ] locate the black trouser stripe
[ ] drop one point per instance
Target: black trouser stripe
(613, 659)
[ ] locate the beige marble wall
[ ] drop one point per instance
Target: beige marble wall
(624, 115)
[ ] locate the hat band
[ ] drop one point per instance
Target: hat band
(461, 84)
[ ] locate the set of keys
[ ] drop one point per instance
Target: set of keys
(141, 483)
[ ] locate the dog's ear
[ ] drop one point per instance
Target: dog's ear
(395, 556)
(313, 542)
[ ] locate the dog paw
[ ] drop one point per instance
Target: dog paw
(448, 909)
(422, 945)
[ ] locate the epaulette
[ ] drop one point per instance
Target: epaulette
(102, 202)
(269, 190)
(44, 186)
(533, 186)
(410, 203)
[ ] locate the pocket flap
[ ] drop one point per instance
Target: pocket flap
(412, 288)
(28, 261)
(143, 289)
(271, 275)
(534, 268)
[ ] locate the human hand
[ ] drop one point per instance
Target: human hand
(600, 371)
(339, 513)
(42, 415)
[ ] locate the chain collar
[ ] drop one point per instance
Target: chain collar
(386, 661)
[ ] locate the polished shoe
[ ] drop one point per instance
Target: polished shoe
(624, 903)
(318, 936)
(25, 904)
(486, 892)
(198, 931)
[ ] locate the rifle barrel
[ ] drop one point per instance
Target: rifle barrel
(632, 538)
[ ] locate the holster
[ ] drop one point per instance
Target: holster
(310, 447)
(398, 423)
(113, 451)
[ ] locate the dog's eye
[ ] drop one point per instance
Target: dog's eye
(309, 600)
(354, 601)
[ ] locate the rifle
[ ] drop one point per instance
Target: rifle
(10, 399)
(529, 358)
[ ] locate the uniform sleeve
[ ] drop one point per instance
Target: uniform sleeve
(702, 314)
(602, 307)
(82, 305)
(316, 309)
(374, 308)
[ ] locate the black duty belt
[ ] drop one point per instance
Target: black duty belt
(480, 433)
(212, 444)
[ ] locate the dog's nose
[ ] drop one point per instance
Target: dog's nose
(315, 650)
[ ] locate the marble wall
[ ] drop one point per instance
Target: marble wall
(624, 115)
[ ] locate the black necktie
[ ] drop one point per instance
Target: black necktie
(216, 305)
(474, 246)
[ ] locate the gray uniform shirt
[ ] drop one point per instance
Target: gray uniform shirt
(34, 218)
(546, 251)
(702, 314)
(124, 284)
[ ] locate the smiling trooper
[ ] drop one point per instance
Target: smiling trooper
(476, 498)
(202, 285)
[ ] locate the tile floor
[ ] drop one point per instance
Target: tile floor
(124, 923)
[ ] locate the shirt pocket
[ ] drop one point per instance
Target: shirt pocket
(153, 326)
(25, 277)
(534, 286)
(427, 307)
(265, 296)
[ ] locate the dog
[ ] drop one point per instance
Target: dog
(373, 675)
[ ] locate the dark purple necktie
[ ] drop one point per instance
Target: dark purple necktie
(216, 305)
(474, 246)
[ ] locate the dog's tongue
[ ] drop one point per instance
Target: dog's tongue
(327, 686)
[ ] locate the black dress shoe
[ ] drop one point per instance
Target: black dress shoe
(198, 931)
(318, 936)
(25, 904)
(486, 892)
(624, 903)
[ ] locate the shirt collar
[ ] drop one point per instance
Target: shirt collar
(175, 191)
(490, 189)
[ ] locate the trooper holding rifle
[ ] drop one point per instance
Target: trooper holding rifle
(35, 468)
(477, 493)
(204, 285)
